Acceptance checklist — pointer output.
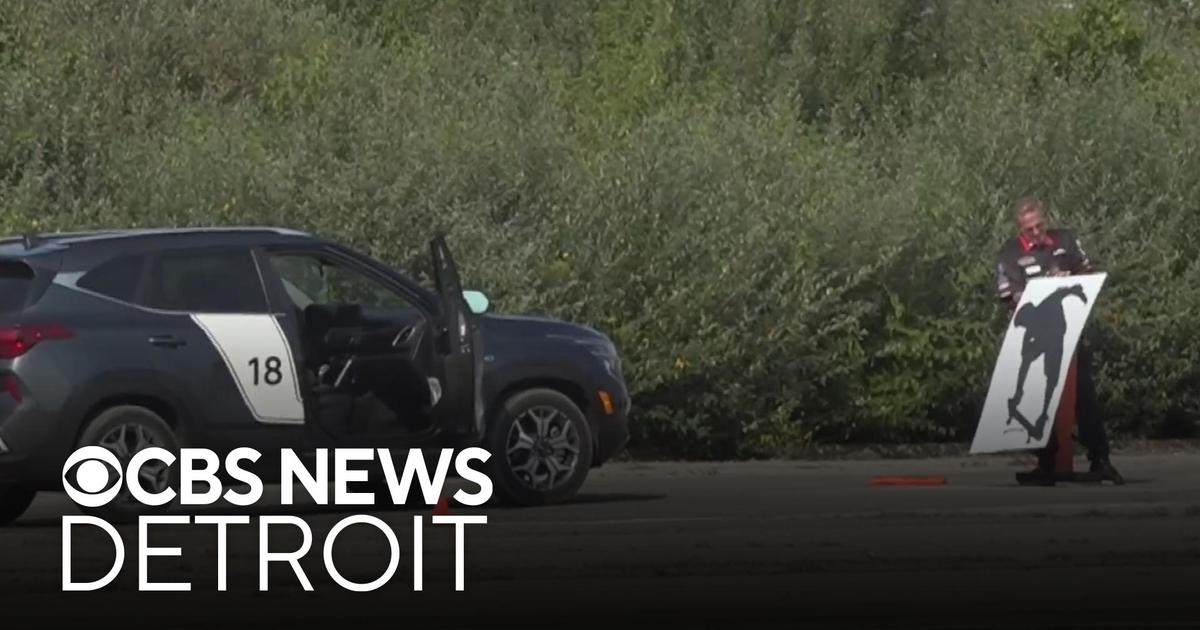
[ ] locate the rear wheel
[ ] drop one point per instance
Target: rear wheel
(14, 500)
(124, 430)
(541, 448)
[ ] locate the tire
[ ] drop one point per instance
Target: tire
(104, 428)
(511, 482)
(14, 500)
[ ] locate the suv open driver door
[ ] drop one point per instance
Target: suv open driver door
(459, 354)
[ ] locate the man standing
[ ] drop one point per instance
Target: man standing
(1036, 251)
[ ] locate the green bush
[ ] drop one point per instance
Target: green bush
(784, 212)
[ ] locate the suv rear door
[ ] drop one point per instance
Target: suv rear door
(215, 342)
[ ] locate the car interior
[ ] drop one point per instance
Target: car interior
(366, 366)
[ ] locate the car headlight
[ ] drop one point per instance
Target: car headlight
(604, 349)
(613, 366)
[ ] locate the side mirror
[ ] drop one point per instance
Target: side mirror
(476, 301)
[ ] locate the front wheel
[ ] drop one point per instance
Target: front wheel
(14, 500)
(541, 448)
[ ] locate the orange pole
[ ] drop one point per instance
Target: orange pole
(1064, 425)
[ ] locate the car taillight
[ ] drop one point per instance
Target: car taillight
(17, 340)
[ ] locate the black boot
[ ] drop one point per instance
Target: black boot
(1103, 470)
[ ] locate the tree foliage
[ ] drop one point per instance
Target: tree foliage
(783, 212)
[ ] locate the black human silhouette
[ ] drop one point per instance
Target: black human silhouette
(1045, 327)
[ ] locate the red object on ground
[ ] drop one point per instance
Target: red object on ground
(935, 480)
(442, 508)
(1064, 424)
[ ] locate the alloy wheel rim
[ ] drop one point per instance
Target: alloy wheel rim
(125, 441)
(542, 448)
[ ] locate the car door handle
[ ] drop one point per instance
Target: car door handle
(166, 341)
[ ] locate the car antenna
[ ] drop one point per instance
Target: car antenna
(31, 240)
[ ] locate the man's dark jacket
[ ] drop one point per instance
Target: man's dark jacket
(1020, 260)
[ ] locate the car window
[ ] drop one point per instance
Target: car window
(211, 280)
(312, 279)
(296, 294)
(16, 279)
(117, 278)
(301, 277)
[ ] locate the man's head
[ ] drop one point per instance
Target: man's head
(1031, 218)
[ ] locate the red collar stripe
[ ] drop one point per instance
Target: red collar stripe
(1027, 244)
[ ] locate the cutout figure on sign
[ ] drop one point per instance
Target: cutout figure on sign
(1045, 327)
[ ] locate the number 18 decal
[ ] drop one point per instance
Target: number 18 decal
(257, 354)
(273, 376)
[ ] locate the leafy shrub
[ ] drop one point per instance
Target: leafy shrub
(784, 213)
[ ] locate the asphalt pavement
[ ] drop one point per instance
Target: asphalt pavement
(808, 543)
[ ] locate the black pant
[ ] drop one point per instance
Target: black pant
(1089, 418)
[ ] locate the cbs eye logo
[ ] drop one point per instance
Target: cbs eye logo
(92, 476)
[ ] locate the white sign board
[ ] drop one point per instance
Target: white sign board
(1027, 382)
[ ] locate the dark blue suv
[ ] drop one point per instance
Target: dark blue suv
(271, 339)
